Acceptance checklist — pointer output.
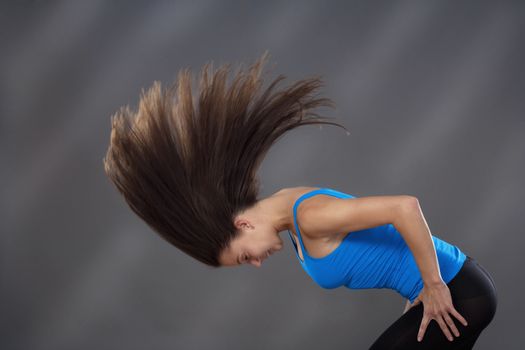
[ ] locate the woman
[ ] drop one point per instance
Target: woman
(188, 168)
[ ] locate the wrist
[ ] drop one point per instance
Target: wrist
(433, 283)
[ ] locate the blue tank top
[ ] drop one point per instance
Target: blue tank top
(376, 257)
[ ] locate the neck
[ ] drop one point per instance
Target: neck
(276, 209)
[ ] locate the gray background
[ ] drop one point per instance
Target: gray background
(432, 91)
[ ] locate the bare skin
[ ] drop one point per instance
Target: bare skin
(407, 306)
(315, 247)
(261, 226)
(323, 247)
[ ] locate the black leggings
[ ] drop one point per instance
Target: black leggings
(474, 296)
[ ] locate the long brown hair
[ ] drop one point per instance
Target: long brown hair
(188, 169)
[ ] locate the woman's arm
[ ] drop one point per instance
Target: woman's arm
(331, 216)
(336, 215)
(412, 226)
(435, 295)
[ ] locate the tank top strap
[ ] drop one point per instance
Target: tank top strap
(304, 196)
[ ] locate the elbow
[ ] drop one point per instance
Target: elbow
(409, 204)
(407, 207)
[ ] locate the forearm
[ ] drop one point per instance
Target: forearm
(412, 226)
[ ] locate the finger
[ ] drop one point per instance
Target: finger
(451, 324)
(458, 316)
(422, 328)
(444, 327)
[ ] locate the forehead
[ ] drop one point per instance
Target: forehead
(230, 255)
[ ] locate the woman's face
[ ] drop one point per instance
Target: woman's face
(255, 243)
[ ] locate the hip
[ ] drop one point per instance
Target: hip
(472, 280)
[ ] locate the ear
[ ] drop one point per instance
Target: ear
(242, 223)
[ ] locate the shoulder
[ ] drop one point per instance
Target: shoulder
(298, 190)
(311, 202)
(308, 211)
(294, 193)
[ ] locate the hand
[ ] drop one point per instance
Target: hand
(437, 304)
